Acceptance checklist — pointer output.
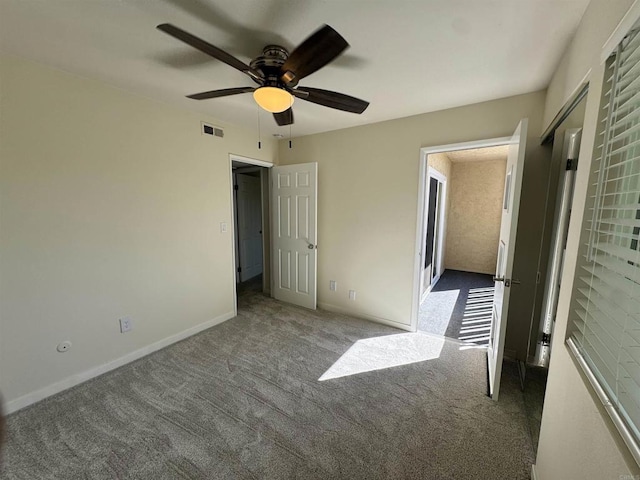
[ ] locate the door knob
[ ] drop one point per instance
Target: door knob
(311, 246)
(498, 279)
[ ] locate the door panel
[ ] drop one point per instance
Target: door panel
(284, 270)
(506, 250)
(302, 261)
(294, 193)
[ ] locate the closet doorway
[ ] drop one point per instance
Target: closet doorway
(251, 242)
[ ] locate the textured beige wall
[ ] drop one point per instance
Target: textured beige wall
(367, 205)
(577, 439)
(475, 213)
(440, 162)
(110, 205)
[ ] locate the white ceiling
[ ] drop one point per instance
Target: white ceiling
(407, 56)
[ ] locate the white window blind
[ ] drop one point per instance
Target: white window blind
(605, 318)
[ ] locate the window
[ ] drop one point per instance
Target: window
(605, 315)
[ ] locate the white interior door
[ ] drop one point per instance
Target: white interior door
(249, 204)
(294, 226)
(506, 249)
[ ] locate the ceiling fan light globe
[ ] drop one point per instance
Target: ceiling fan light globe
(273, 99)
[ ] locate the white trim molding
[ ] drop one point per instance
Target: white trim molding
(533, 472)
(451, 147)
(239, 158)
(72, 381)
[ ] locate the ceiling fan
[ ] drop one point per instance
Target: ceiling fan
(277, 73)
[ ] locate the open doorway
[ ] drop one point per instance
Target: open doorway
(481, 305)
(250, 196)
(464, 202)
(282, 265)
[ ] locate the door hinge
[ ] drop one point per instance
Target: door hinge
(235, 187)
(546, 339)
(239, 269)
(572, 164)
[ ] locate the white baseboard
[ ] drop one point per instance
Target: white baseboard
(334, 308)
(533, 472)
(72, 381)
(429, 288)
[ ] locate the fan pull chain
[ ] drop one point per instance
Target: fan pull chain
(290, 106)
(259, 133)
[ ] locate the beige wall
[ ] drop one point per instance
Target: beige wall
(110, 205)
(368, 197)
(577, 439)
(475, 213)
(598, 22)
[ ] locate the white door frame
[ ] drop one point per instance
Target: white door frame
(422, 200)
(441, 228)
(232, 228)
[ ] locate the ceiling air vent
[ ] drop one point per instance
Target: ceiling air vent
(211, 130)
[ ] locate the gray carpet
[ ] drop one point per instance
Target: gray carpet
(253, 285)
(459, 307)
(243, 400)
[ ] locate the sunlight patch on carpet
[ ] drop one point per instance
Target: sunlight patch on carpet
(379, 353)
(476, 321)
(440, 310)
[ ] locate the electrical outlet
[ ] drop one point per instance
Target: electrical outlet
(64, 346)
(126, 325)
(333, 286)
(352, 294)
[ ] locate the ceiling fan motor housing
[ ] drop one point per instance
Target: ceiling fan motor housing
(270, 64)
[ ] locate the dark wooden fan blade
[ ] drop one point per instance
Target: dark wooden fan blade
(225, 92)
(284, 118)
(209, 49)
(330, 99)
(314, 53)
